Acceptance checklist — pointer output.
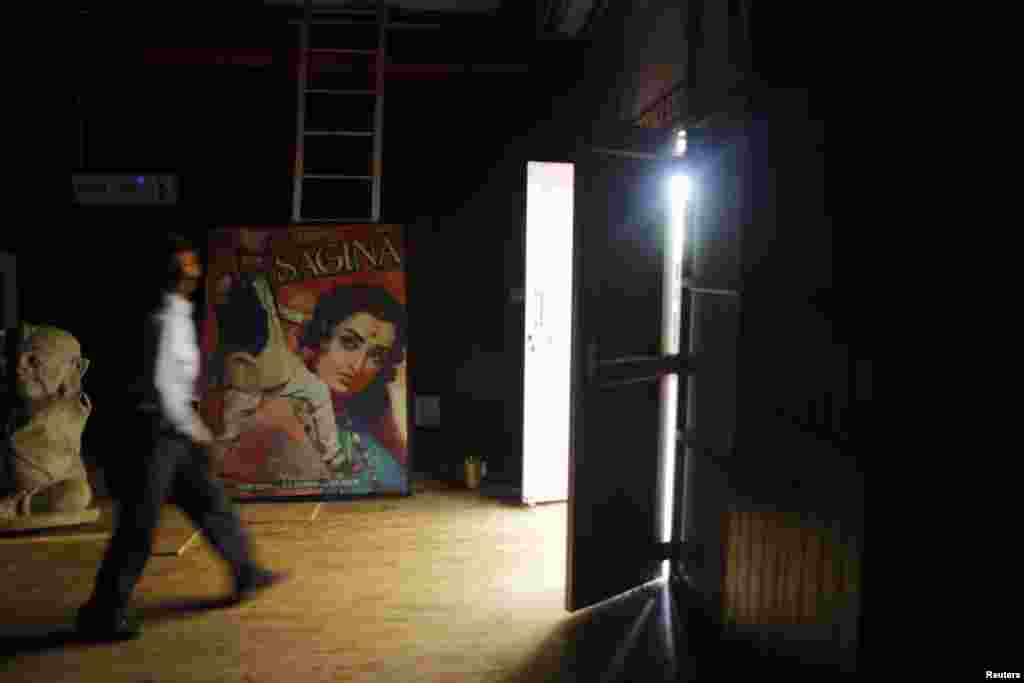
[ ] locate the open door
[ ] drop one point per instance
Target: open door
(626, 373)
(548, 331)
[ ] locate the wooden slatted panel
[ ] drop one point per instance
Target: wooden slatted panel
(791, 542)
(785, 568)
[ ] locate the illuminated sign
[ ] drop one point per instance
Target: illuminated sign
(124, 189)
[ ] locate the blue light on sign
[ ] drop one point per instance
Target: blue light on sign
(124, 189)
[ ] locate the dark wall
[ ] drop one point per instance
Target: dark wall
(487, 387)
(488, 380)
(214, 101)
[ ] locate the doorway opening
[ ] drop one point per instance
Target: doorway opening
(547, 336)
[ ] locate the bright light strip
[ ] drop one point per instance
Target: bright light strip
(680, 148)
(679, 193)
(679, 186)
(669, 407)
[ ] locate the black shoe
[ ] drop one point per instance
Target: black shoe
(106, 624)
(253, 582)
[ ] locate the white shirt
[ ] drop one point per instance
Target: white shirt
(177, 363)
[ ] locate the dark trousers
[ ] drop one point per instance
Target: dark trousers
(174, 470)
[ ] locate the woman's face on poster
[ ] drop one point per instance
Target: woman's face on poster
(356, 351)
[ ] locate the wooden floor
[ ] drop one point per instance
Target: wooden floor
(442, 586)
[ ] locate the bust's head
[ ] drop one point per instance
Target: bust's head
(49, 364)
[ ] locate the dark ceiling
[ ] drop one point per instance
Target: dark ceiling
(539, 18)
(430, 5)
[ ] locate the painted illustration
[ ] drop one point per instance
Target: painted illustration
(305, 343)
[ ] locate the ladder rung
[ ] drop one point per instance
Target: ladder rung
(340, 51)
(344, 133)
(335, 176)
(329, 91)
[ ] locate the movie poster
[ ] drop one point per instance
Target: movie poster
(305, 374)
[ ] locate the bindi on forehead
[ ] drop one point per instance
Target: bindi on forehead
(371, 329)
(376, 337)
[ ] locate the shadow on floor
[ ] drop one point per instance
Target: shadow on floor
(652, 637)
(35, 638)
(637, 637)
(625, 639)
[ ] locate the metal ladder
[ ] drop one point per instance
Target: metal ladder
(337, 172)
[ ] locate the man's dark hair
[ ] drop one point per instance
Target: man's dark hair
(342, 303)
(174, 245)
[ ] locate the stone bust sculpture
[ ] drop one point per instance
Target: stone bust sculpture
(44, 434)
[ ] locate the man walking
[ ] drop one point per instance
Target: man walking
(173, 468)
